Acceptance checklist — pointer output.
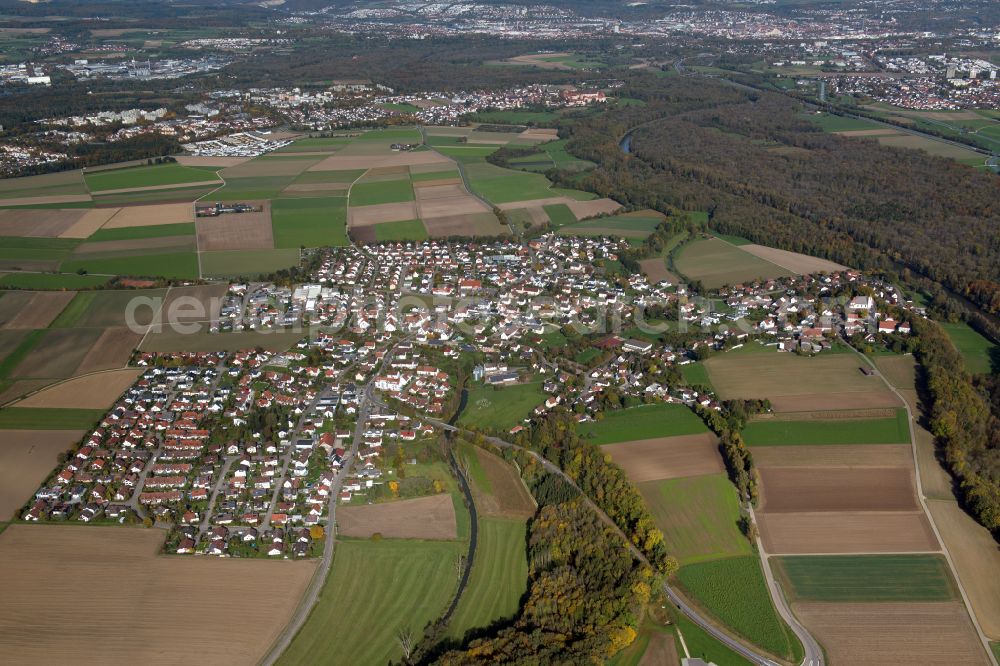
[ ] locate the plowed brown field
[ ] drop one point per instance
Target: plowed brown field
(133, 606)
(847, 532)
(430, 517)
(667, 457)
(27, 457)
(805, 489)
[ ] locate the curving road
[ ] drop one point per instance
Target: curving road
(814, 654)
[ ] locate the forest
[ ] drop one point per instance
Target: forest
(763, 171)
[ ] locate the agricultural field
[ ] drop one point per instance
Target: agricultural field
(404, 230)
(846, 532)
(431, 517)
(160, 175)
(501, 408)
(981, 355)
(639, 224)
(48, 418)
(384, 586)
(698, 516)
(27, 457)
(496, 486)
(131, 591)
(499, 576)
(95, 391)
(715, 263)
(309, 222)
(233, 263)
(824, 430)
(644, 422)
(809, 489)
(734, 591)
(868, 578)
(667, 457)
(893, 634)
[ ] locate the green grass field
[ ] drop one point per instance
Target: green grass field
(846, 578)
(734, 591)
(145, 176)
(716, 263)
(182, 265)
(698, 517)
(229, 263)
(560, 215)
(701, 645)
(389, 191)
(434, 175)
(847, 431)
(644, 422)
(498, 185)
(499, 577)
(695, 374)
(311, 222)
(251, 188)
(154, 231)
(72, 313)
(501, 408)
(374, 590)
(980, 354)
(31, 418)
(51, 281)
(404, 230)
(629, 225)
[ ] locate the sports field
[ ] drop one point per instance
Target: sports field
(375, 590)
(776, 432)
(698, 516)
(644, 422)
(499, 576)
(715, 263)
(733, 590)
(501, 408)
(876, 578)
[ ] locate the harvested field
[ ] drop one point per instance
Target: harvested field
(427, 190)
(477, 224)
(187, 304)
(899, 370)
(360, 216)
(585, 209)
(302, 188)
(132, 595)
(846, 532)
(809, 489)
(199, 160)
(891, 634)
(509, 498)
(660, 651)
(777, 376)
(431, 517)
(243, 231)
(91, 221)
(793, 261)
(342, 162)
(27, 457)
(656, 269)
(40, 309)
(834, 401)
(667, 457)
(928, 145)
(22, 387)
(147, 216)
(461, 205)
(96, 391)
(112, 350)
(843, 455)
(977, 561)
(535, 203)
(265, 167)
(39, 223)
